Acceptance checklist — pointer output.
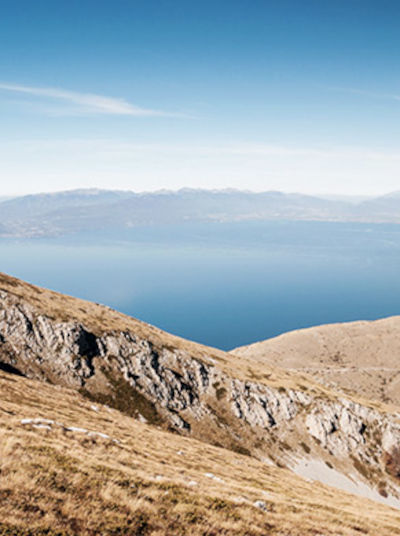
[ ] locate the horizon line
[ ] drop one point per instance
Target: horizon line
(166, 191)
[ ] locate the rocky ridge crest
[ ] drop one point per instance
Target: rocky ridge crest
(171, 386)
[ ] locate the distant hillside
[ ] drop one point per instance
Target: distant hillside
(385, 208)
(279, 417)
(85, 210)
(359, 357)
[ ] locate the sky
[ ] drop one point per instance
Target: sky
(297, 96)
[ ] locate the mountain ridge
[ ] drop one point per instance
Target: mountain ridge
(60, 213)
(279, 417)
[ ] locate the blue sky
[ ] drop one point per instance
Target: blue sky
(289, 95)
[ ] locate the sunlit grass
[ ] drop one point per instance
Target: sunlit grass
(143, 480)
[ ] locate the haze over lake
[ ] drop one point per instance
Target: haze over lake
(224, 285)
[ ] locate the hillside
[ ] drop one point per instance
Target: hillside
(71, 467)
(77, 211)
(278, 417)
(80, 211)
(360, 357)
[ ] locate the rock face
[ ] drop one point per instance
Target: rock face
(170, 385)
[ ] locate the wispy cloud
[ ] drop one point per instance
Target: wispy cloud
(87, 102)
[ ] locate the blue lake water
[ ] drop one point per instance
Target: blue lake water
(224, 284)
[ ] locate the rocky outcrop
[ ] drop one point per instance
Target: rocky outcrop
(38, 346)
(167, 384)
(262, 406)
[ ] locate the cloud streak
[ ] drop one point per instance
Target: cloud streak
(87, 102)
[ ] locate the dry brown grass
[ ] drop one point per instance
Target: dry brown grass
(358, 357)
(100, 320)
(64, 482)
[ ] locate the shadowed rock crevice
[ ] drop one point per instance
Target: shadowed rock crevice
(87, 344)
(6, 367)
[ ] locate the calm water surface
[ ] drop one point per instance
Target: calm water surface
(224, 284)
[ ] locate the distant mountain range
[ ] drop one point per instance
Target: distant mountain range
(55, 214)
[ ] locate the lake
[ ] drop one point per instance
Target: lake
(223, 284)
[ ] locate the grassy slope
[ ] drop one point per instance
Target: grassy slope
(100, 319)
(55, 481)
(362, 357)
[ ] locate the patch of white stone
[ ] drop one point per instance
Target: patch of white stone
(214, 477)
(261, 505)
(48, 424)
